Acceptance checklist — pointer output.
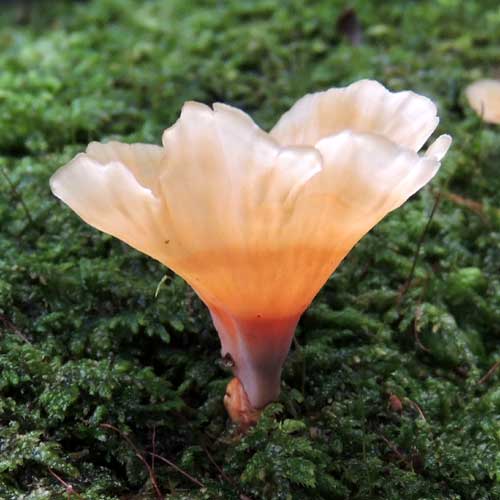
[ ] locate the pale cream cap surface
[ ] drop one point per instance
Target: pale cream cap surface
(256, 222)
(484, 98)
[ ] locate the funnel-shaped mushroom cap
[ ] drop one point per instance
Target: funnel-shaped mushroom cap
(484, 99)
(257, 222)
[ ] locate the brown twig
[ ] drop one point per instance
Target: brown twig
(475, 206)
(489, 373)
(231, 481)
(409, 280)
(416, 328)
(17, 195)
(178, 469)
(153, 439)
(417, 407)
(403, 458)
(140, 456)
(69, 488)
(221, 472)
(13, 328)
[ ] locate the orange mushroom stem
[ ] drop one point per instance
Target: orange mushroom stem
(258, 347)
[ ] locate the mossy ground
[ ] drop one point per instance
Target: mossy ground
(385, 398)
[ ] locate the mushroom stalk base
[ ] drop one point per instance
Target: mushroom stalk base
(258, 347)
(238, 406)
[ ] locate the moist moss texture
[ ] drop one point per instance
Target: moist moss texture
(390, 391)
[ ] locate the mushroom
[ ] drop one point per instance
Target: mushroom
(256, 222)
(484, 99)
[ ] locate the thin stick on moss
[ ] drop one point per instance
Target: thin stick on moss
(16, 195)
(153, 439)
(69, 488)
(392, 446)
(409, 280)
(416, 328)
(140, 456)
(489, 373)
(417, 408)
(178, 469)
(221, 471)
(472, 205)
(13, 328)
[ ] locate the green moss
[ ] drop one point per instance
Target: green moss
(385, 398)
